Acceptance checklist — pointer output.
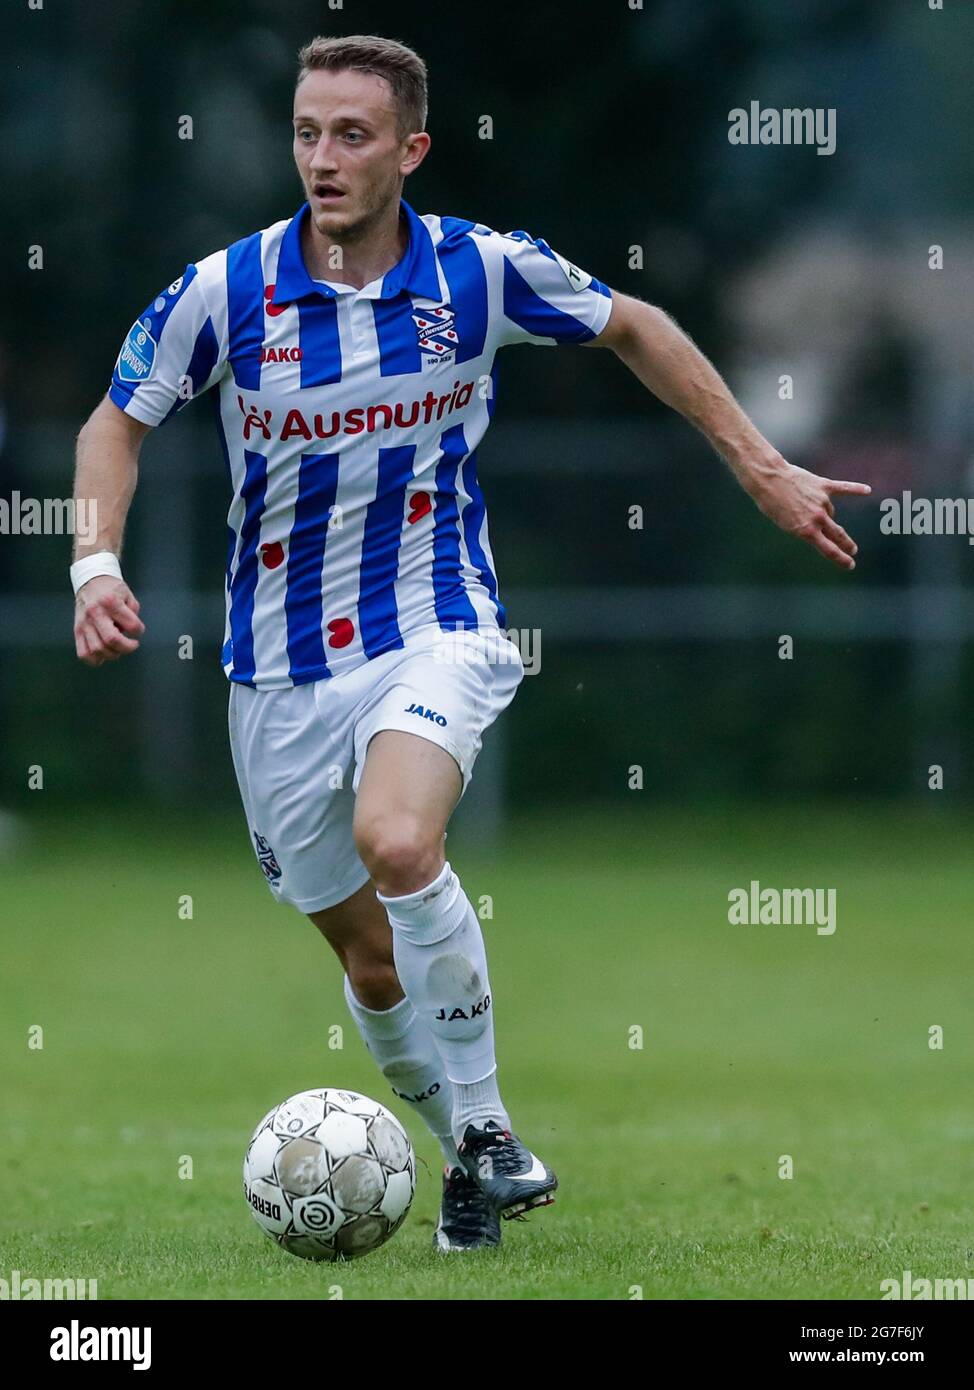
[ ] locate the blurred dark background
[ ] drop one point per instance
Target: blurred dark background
(659, 646)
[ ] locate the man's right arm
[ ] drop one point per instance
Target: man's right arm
(106, 620)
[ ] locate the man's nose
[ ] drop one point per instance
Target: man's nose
(323, 159)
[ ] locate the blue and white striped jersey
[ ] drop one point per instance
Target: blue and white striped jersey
(349, 422)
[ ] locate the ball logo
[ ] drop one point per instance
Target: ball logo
(262, 1206)
(317, 1216)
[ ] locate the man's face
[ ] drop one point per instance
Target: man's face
(349, 155)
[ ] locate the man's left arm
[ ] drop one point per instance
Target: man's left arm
(667, 362)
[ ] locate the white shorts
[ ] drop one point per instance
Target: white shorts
(299, 752)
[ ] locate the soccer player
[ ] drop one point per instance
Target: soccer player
(351, 349)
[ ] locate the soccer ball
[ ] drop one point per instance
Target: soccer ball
(329, 1174)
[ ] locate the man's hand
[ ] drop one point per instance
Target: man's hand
(801, 504)
(670, 365)
(105, 610)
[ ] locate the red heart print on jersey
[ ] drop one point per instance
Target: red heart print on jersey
(272, 553)
(342, 632)
(419, 505)
(272, 309)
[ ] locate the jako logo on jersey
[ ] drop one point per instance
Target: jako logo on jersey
(435, 330)
(476, 1010)
(138, 352)
(267, 858)
(426, 714)
(281, 354)
(361, 419)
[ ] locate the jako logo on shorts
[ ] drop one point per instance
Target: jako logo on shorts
(426, 714)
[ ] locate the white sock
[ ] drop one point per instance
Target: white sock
(407, 1056)
(441, 961)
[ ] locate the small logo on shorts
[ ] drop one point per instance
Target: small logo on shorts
(267, 859)
(425, 713)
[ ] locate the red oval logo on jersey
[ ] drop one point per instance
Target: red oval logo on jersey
(342, 632)
(272, 309)
(419, 505)
(272, 553)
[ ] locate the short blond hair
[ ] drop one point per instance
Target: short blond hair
(403, 69)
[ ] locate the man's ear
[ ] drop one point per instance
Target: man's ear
(417, 148)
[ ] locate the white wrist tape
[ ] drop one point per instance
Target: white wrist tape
(102, 562)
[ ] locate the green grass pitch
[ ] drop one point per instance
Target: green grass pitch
(166, 1037)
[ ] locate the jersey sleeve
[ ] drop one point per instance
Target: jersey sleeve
(546, 299)
(171, 355)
